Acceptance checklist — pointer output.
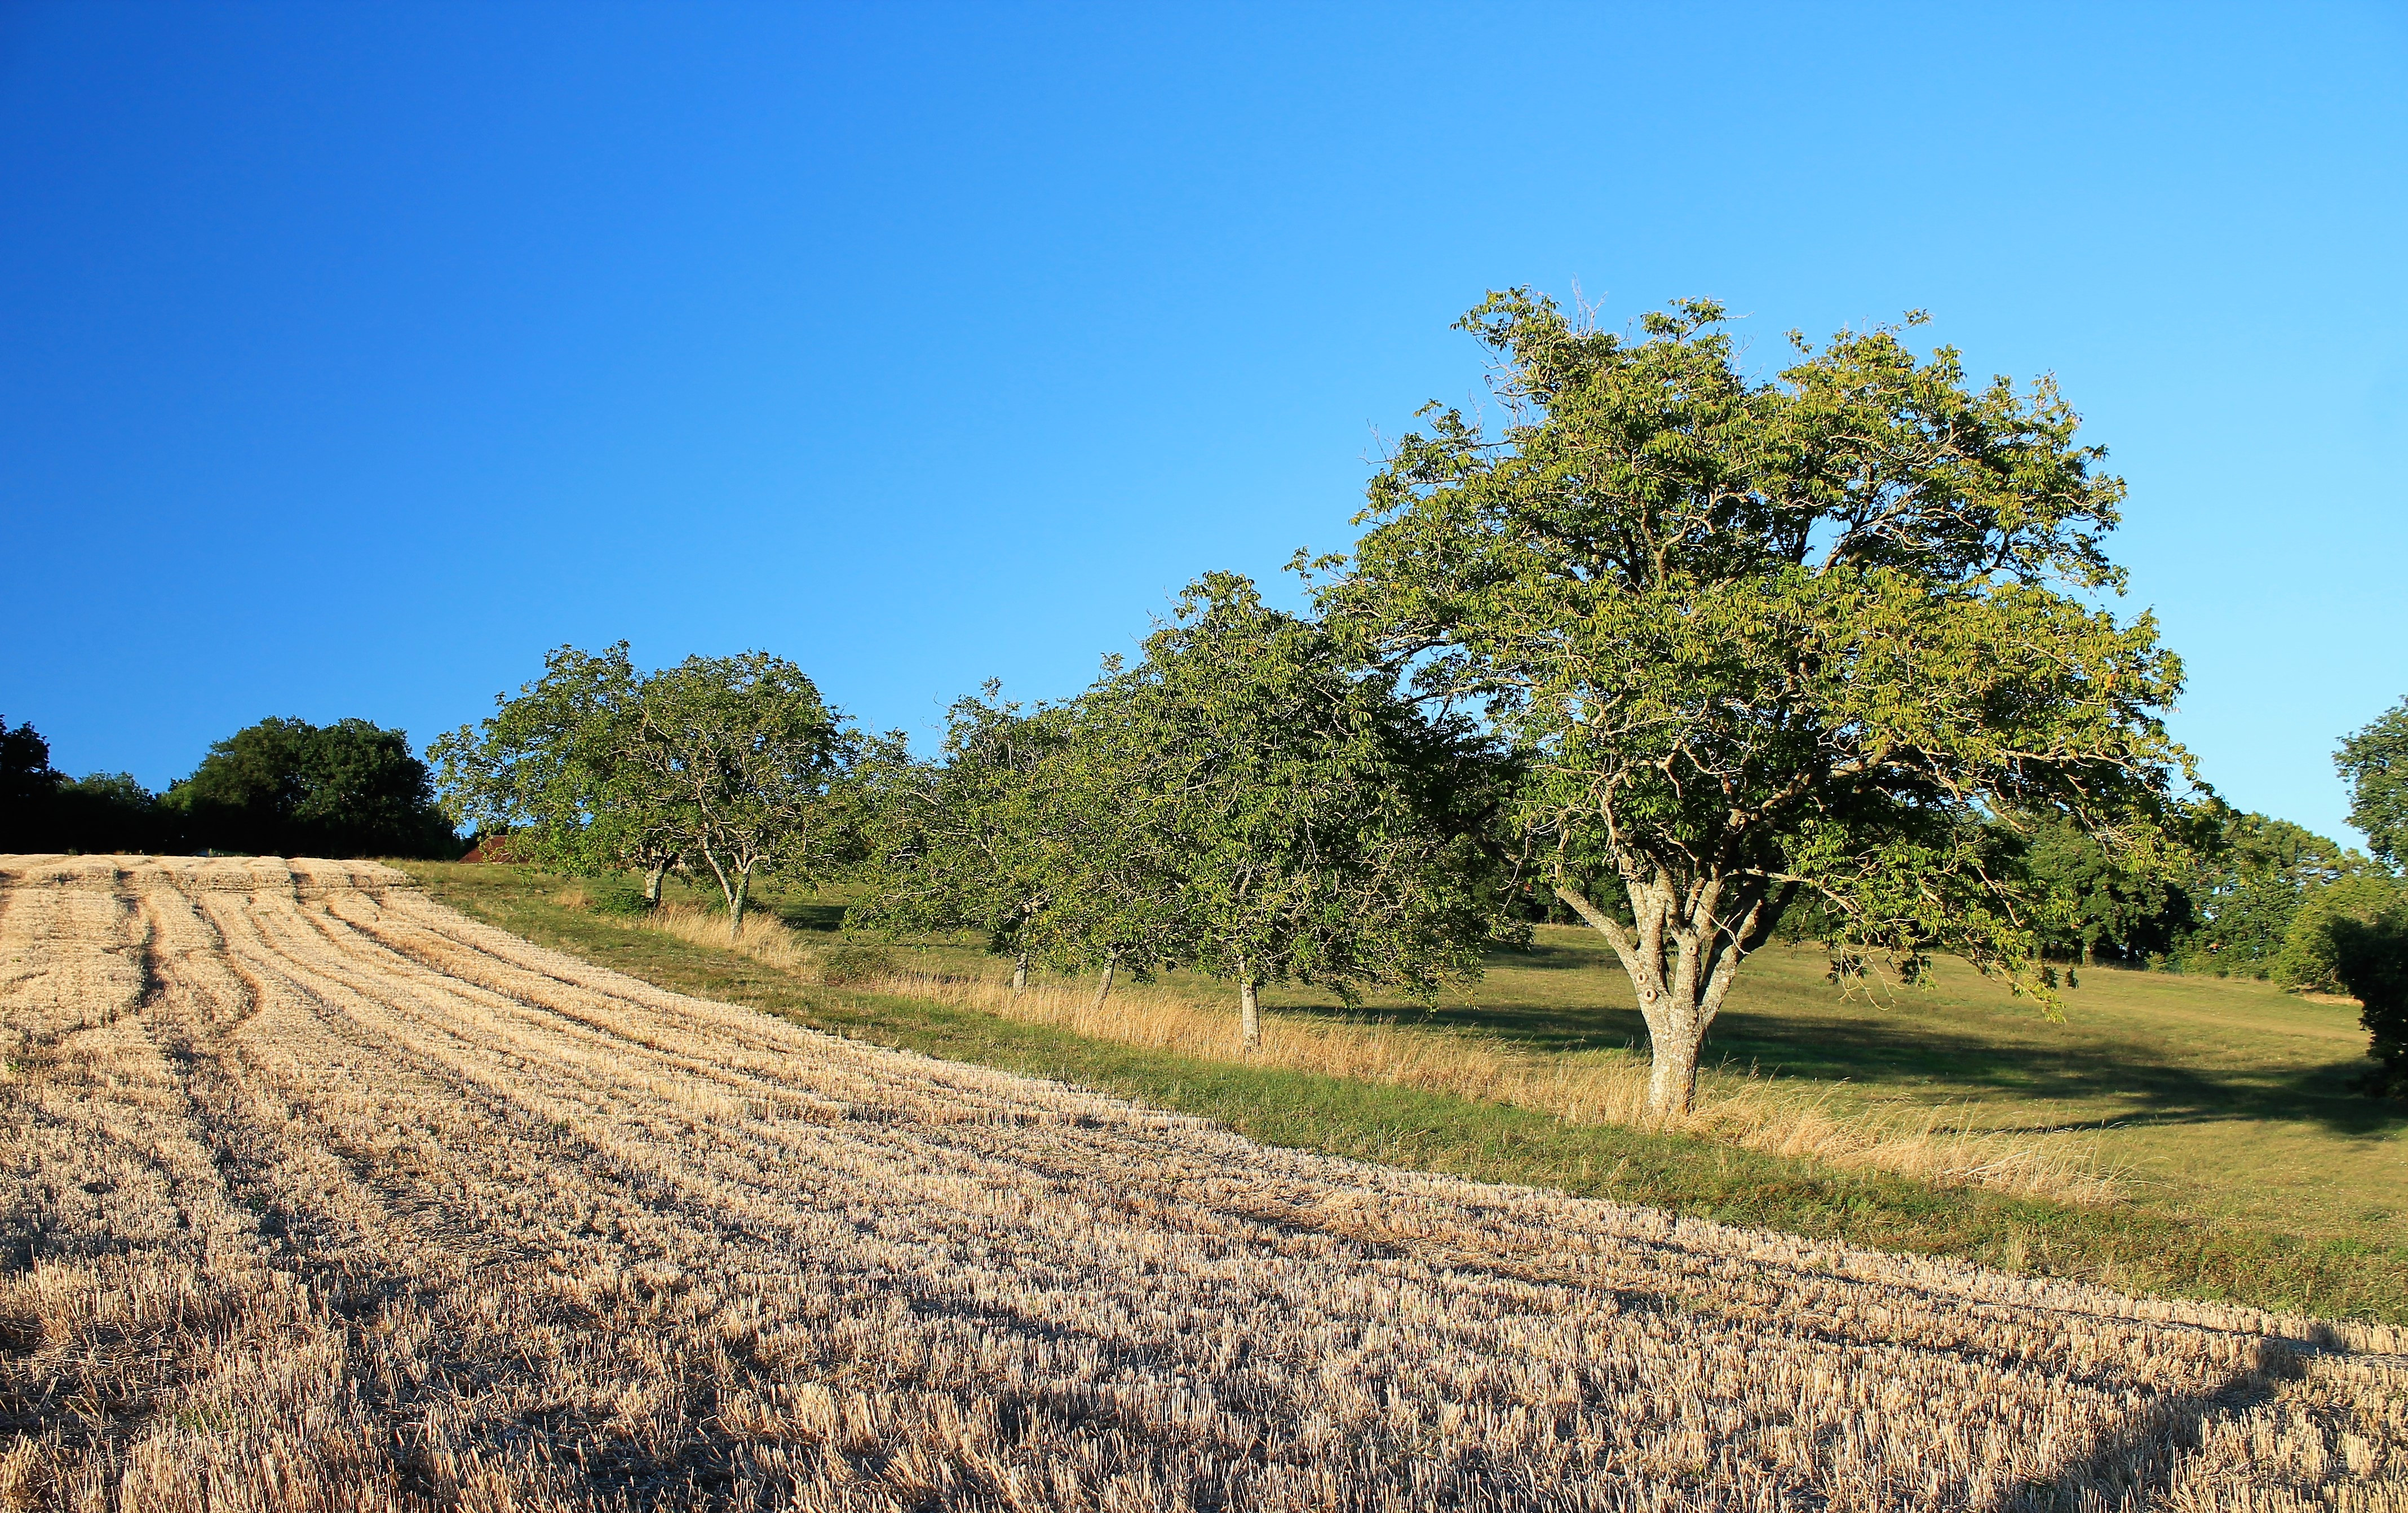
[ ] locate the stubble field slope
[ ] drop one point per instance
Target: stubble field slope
(315, 1195)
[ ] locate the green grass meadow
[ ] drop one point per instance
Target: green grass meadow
(2220, 1098)
(2252, 1172)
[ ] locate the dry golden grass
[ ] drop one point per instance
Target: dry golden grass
(315, 1195)
(1598, 1088)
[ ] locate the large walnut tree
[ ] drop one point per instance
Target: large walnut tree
(1770, 642)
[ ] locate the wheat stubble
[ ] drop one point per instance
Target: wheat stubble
(317, 1195)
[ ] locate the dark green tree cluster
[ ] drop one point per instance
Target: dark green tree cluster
(2093, 904)
(281, 787)
(287, 788)
(42, 809)
(2251, 896)
(2353, 935)
(730, 766)
(2250, 877)
(2222, 901)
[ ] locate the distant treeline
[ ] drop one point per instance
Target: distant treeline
(281, 788)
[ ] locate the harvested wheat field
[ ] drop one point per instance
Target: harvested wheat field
(317, 1195)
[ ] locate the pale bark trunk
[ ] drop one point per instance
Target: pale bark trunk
(732, 889)
(1679, 1005)
(1672, 1071)
(1020, 975)
(652, 886)
(1250, 1010)
(1104, 988)
(735, 904)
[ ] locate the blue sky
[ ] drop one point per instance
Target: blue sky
(353, 355)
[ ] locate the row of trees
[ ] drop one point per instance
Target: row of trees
(282, 787)
(2252, 896)
(1245, 802)
(2226, 905)
(1685, 651)
(1694, 654)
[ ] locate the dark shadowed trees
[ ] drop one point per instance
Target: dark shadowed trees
(2369, 956)
(110, 812)
(287, 788)
(2092, 904)
(27, 783)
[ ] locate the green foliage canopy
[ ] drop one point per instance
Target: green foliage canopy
(752, 761)
(1245, 800)
(1298, 808)
(734, 763)
(2091, 903)
(1755, 639)
(552, 768)
(2310, 959)
(973, 840)
(2249, 877)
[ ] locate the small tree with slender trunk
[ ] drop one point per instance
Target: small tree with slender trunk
(1099, 870)
(756, 759)
(553, 767)
(961, 844)
(1301, 810)
(1759, 638)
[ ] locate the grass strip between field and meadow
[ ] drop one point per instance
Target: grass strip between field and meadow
(2132, 1247)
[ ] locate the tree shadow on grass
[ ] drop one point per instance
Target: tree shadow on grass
(809, 915)
(1920, 1053)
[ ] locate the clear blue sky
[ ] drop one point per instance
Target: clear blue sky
(355, 354)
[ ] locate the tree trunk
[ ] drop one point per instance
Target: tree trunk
(731, 889)
(652, 886)
(1673, 1070)
(1104, 988)
(1250, 1012)
(1681, 958)
(1020, 975)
